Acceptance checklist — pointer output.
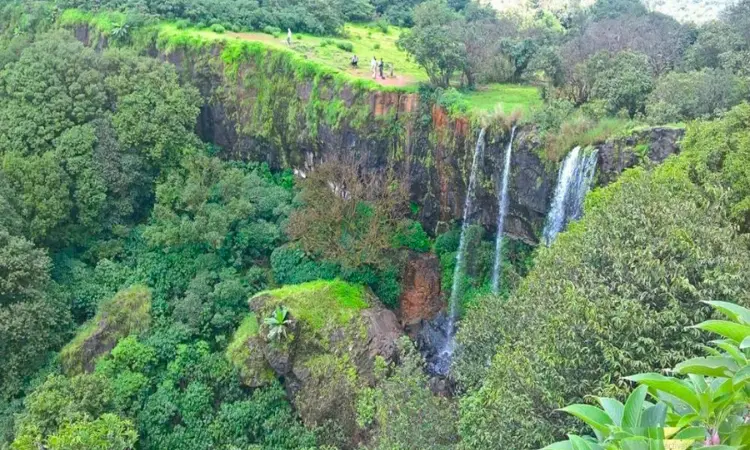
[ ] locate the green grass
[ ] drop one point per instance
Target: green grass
(104, 22)
(509, 97)
(317, 302)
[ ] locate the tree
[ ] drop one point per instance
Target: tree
(622, 81)
(219, 207)
(351, 221)
(33, 320)
(434, 42)
(609, 9)
(403, 411)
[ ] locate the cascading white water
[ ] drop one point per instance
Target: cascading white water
(441, 364)
(502, 211)
(584, 177)
(573, 183)
(468, 203)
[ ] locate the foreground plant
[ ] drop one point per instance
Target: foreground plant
(706, 409)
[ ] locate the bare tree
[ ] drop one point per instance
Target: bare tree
(349, 213)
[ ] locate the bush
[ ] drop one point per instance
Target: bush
(218, 28)
(411, 235)
(345, 46)
(383, 26)
(272, 30)
(616, 292)
(182, 24)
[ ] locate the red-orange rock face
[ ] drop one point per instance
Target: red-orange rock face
(420, 297)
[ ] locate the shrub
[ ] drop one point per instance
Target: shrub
(616, 291)
(273, 31)
(182, 24)
(376, 46)
(383, 26)
(218, 28)
(411, 235)
(345, 46)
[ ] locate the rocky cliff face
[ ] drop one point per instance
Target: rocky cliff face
(273, 106)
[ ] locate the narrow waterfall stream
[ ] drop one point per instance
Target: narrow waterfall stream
(442, 363)
(502, 211)
(573, 183)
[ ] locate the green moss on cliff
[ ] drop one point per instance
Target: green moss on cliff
(245, 353)
(319, 302)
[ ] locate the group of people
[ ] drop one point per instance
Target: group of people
(376, 67)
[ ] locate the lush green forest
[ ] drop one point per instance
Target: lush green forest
(157, 292)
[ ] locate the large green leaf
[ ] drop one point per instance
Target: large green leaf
(745, 343)
(654, 416)
(731, 349)
(562, 445)
(594, 417)
(711, 366)
(730, 330)
(741, 377)
(669, 385)
(613, 408)
(734, 312)
(691, 433)
(580, 443)
(631, 416)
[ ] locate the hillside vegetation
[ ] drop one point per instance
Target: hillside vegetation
(158, 291)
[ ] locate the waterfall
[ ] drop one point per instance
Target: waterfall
(468, 202)
(573, 183)
(502, 197)
(442, 361)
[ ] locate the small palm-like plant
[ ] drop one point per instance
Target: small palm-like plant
(278, 323)
(120, 32)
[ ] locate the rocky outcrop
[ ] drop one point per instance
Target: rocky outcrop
(420, 293)
(127, 313)
(335, 334)
(647, 147)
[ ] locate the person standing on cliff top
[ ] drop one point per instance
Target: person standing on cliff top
(380, 67)
(374, 68)
(289, 36)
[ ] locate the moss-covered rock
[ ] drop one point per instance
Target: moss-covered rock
(246, 353)
(335, 332)
(127, 313)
